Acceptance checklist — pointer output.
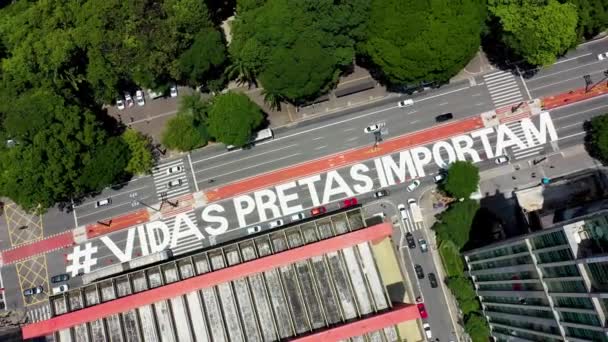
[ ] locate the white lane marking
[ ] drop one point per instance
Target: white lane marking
(572, 125)
(318, 138)
(349, 129)
(572, 135)
(413, 122)
(193, 175)
(443, 104)
(479, 104)
(562, 71)
(320, 147)
(572, 58)
(75, 224)
(565, 80)
(521, 78)
(108, 196)
(102, 209)
(578, 113)
(254, 166)
(245, 158)
(475, 95)
(352, 139)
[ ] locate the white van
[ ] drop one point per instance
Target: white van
(405, 103)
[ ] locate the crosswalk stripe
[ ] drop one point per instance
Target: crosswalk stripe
(503, 88)
(188, 244)
(39, 313)
(518, 153)
(162, 179)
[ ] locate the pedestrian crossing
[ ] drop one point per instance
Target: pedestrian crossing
(519, 153)
(39, 313)
(185, 244)
(409, 224)
(170, 179)
(503, 88)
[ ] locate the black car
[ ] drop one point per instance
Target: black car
(381, 193)
(444, 117)
(411, 243)
(60, 278)
(419, 271)
(433, 280)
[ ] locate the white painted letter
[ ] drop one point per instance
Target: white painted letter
(191, 229)
(483, 135)
(437, 153)
(356, 175)
(380, 172)
(342, 188)
(545, 126)
(266, 200)
(241, 211)
(310, 182)
(391, 168)
(163, 235)
(207, 217)
(128, 254)
(420, 162)
(501, 143)
(284, 199)
(467, 148)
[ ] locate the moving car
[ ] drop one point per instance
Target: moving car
(34, 290)
(318, 211)
(350, 202)
(139, 97)
(422, 310)
(501, 160)
(254, 230)
(411, 243)
(60, 289)
(129, 100)
(103, 202)
(276, 223)
(602, 56)
(411, 201)
(174, 183)
(444, 117)
(381, 193)
(427, 330)
(405, 103)
(419, 271)
(433, 280)
(372, 128)
(120, 104)
(173, 91)
(423, 246)
(175, 169)
(413, 185)
(298, 217)
(403, 212)
(60, 278)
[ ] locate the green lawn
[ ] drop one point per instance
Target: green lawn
(452, 261)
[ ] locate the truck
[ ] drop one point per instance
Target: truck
(415, 210)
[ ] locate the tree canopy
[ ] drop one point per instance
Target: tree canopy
(232, 118)
(477, 327)
(597, 138)
(592, 17)
(529, 28)
(463, 290)
(181, 133)
(462, 179)
(140, 148)
(455, 223)
(414, 41)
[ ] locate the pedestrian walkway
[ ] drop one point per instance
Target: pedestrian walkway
(39, 313)
(519, 153)
(410, 225)
(170, 179)
(186, 244)
(503, 88)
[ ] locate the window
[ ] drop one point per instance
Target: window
(582, 318)
(573, 302)
(567, 286)
(599, 275)
(560, 271)
(586, 334)
(549, 240)
(555, 256)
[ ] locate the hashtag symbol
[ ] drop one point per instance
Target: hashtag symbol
(81, 259)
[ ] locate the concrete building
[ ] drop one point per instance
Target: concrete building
(313, 281)
(550, 285)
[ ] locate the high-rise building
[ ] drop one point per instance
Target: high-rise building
(550, 285)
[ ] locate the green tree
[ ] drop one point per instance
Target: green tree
(181, 133)
(452, 261)
(463, 290)
(413, 41)
(592, 17)
(107, 165)
(462, 179)
(140, 147)
(203, 58)
(232, 118)
(529, 28)
(455, 223)
(477, 327)
(597, 138)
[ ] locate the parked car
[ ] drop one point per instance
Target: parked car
(129, 100)
(422, 310)
(427, 330)
(419, 271)
(433, 280)
(350, 202)
(139, 97)
(405, 103)
(103, 202)
(318, 211)
(174, 183)
(444, 117)
(403, 212)
(411, 201)
(439, 178)
(276, 223)
(413, 185)
(602, 56)
(381, 193)
(60, 289)
(175, 169)
(298, 217)
(173, 91)
(372, 128)
(32, 291)
(120, 104)
(423, 246)
(60, 278)
(254, 230)
(411, 243)
(501, 160)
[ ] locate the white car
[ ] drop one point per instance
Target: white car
(405, 103)
(128, 100)
(174, 183)
(439, 177)
(413, 185)
(103, 202)
(427, 330)
(276, 223)
(602, 56)
(403, 212)
(298, 217)
(372, 128)
(120, 104)
(139, 97)
(254, 230)
(173, 91)
(175, 169)
(60, 289)
(411, 201)
(501, 160)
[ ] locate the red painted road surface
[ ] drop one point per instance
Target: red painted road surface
(396, 315)
(118, 223)
(38, 247)
(206, 280)
(343, 159)
(577, 95)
